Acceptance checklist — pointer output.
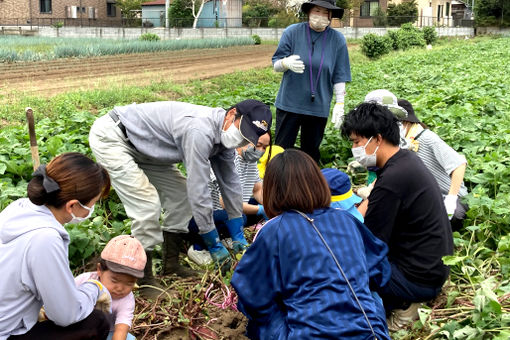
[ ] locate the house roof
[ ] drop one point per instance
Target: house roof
(154, 3)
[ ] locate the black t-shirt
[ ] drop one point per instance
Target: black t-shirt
(406, 211)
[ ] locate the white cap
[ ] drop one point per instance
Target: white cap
(387, 99)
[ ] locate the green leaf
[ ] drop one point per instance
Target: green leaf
(53, 144)
(451, 260)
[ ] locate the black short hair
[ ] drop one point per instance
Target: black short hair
(370, 119)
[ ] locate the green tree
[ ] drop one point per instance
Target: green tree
(256, 13)
(492, 13)
(402, 13)
(180, 13)
(128, 7)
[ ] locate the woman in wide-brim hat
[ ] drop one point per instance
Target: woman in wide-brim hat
(315, 62)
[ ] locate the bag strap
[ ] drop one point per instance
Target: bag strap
(418, 135)
(340, 268)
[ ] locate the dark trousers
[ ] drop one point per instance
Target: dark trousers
(399, 292)
(95, 326)
(312, 131)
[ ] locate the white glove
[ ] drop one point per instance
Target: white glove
(338, 115)
(355, 167)
(293, 63)
(364, 192)
(450, 203)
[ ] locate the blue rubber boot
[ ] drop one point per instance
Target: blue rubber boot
(219, 253)
(235, 228)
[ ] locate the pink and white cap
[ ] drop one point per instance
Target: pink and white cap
(125, 254)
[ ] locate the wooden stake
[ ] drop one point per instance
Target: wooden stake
(33, 140)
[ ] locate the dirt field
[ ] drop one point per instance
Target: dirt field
(48, 78)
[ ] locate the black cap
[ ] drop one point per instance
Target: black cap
(411, 116)
(336, 12)
(255, 119)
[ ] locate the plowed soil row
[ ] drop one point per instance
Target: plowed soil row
(48, 78)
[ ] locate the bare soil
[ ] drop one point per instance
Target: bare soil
(52, 77)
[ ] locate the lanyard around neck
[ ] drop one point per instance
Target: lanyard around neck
(310, 47)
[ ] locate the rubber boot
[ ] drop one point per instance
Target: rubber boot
(235, 228)
(149, 280)
(171, 246)
(219, 253)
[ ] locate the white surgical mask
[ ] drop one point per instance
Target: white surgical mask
(75, 219)
(361, 156)
(251, 154)
(232, 138)
(318, 22)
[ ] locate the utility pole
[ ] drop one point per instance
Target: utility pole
(81, 15)
(167, 21)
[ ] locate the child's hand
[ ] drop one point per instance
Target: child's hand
(42, 315)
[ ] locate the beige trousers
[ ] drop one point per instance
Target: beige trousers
(149, 190)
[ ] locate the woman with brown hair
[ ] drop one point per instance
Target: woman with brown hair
(34, 255)
(309, 272)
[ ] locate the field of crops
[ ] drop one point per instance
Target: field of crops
(459, 88)
(43, 48)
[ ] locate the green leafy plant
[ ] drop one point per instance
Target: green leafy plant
(429, 34)
(256, 39)
(149, 37)
(58, 24)
(374, 46)
(409, 36)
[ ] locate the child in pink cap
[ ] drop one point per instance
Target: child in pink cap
(122, 263)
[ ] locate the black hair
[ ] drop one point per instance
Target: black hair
(371, 119)
(103, 265)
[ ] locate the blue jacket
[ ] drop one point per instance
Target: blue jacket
(290, 288)
(35, 271)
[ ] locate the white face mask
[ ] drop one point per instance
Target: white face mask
(232, 138)
(318, 22)
(76, 219)
(361, 156)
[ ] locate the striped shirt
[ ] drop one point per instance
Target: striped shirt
(440, 159)
(248, 175)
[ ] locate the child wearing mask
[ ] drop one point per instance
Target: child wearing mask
(122, 262)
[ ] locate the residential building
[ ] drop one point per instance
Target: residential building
(70, 12)
(441, 12)
(215, 13)
(364, 15)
